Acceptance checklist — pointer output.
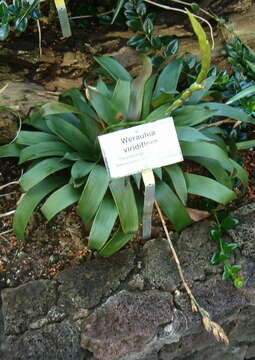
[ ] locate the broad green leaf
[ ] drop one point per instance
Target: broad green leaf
(137, 90)
(93, 193)
(163, 98)
(30, 200)
(103, 223)
(55, 107)
(187, 133)
(209, 188)
(72, 156)
(216, 138)
(71, 135)
(81, 169)
(37, 121)
(75, 98)
(118, 240)
(124, 198)
(204, 47)
(159, 113)
(121, 96)
(204, 149)
(4, 31)
(113, 67)
(69, 117)
(190, 115)
(147, 96)
(40, 171)
(176, 175)
(198, 95)
(244, 145)
(102, 88)
(240, 173)
(43, 149)
(10, 150)
(34, 137)
(244, 93)
(137, 178)
(168, 78)
(117, 10)
(216, 169)
(103, 106)
(171, 206)
(88, 120)
(158, 172)
(227, 111)
(59, 200)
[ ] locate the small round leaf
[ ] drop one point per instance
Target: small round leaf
(4, 31)
(229, 223)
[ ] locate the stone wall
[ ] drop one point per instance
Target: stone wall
(133, 306)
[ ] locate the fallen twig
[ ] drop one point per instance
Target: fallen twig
(3, 88)
(217, 123)
(90, 16)
(8, 213)
(209, 325)
(10, 183)
(6, 194)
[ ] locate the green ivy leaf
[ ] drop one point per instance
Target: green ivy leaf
(229, 248)
(4, 13)
(218, 258)
(4, 31)
(141, 9)
(156, 42)
(134, 25)
(148, 26)
(229, 223)
(136, 40)
(117, 10)
(239, 282)
(21, 25)
(215, 234)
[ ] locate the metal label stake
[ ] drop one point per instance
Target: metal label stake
(63, 18)
(149, 198)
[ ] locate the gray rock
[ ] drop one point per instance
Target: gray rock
(27, 303)
(84, 286)
(244, 233)
(159, 268)
(88, 314)
(1, 326)
(52, 342)
(195, 251)
(128, 325)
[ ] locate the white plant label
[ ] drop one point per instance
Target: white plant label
(140, 148)
(63, 18)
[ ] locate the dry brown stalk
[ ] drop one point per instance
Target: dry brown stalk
(218, 123)
(209, 325)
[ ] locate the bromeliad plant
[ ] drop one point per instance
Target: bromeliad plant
(66, 164)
